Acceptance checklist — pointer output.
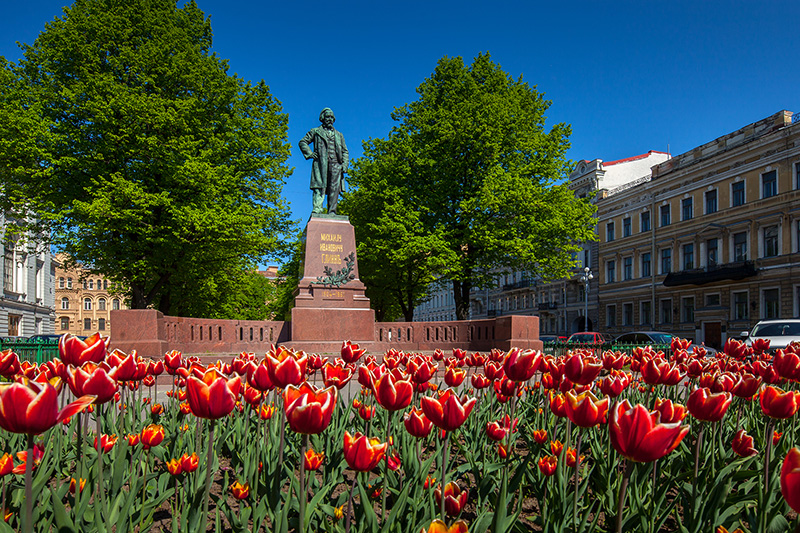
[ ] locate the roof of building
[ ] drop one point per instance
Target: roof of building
(633, 158)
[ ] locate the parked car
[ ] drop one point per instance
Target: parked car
(45, 338)
(659, 338)
(779, 333)
(553, 338)
(588, 337)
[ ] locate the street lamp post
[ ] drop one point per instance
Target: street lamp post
(585, 278)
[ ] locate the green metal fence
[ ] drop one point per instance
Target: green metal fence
(561, 348)
(37, 351)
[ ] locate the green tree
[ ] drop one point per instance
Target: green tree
(398, 257)
(471, 158)
(141, 154)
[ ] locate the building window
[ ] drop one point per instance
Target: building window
(769, 184)
(101, 304)
(645, 221)
(91, 284)
(64, 323)
(771, 303)
(711, 201)
(740, 306)
(665, 215)
(797, 175)
(69, 283)
(611, 316)
(646, 265)
(687, 209)
(105, 284)
(611, 271)
(8, 268)
(740, 246)
(771, 241)
(665, 311)
(65, 303)
(627, 314)
(688, 256)
(645, 318)
(627, 268)
(712, 300)
(626, 227)
(87, 304)
(712, 250)
(85, 285)
(687, 309)
(61, 283)
(737, 193)
(666, 260)
(87, 323)
(115, 304)
(609, 232)
(101, 324)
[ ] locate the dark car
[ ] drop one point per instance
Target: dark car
(588, 337)
(552, 338)
(653, 338)
(45, 338)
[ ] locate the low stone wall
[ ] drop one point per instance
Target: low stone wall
(152, 333)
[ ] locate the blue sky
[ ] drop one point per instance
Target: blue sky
(628, 76)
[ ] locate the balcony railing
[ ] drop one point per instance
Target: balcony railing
(700, 276)
(545, 306)
(519, 285)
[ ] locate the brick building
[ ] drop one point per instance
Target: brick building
(83, 301)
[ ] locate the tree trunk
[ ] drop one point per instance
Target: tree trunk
(138, 298)
(461, 290)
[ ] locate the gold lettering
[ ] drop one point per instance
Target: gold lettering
(332, 259)
(331, 237)
(332, 294)
(325, 247)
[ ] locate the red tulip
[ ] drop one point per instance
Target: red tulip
(743, 444)
(479, 381)
(582, 369)
(454, 498)
(778, 404)
(173, 361)
(239, 491)
(493, 370)
(286, 367)
(361, 453)
(189, 463)
(308, 409)
(585, 409)
(93, 379)
(351, 352)
(736, 349)
(447, 411)
(313, 460)
(107, 442)
(417, 424)
(421, 369)
(521, 365)
(259, 378)
(252, 396)
(74, 351)
(152, 435)
(32, 408)
(613, 360)
(637, 433)
(787, 364)
(707, 406)
(670, 412)
(760, 345)
(558, 405)
(336, 375)
(6, 465)
(213, 396)
(437, 526)
(366, 412)
(776, 437)
(454, 376)
(393, 461)
(133, 440)
(790, 479)
(614, 384)
(548, 465)
(393, 391)
(9, 364)
(174, 467)
(747, 386)
(540, 436)
(266, 411)
(496, 431)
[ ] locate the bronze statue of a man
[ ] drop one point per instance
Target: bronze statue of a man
(330, 159)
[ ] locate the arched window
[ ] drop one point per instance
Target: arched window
(91, 284)
(69, 283)
(105, 284)
(64, 323)
(115, 304)
(101, 324)
(87, 323)
(101, 304)
(87, 304)
(61, 282)
(65, 303)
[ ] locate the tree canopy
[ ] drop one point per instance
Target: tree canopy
(141, 154)
(473, 168)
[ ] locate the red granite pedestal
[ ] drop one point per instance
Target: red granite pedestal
(330, 302)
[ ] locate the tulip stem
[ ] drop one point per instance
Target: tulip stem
(209, 460)
(386, 468)
(28, 488)
(697, 446)
(577, 467)
(765, 491)
(350, 503)
(100, 494)
(623, 489)
(444, 469)
(303, 493)
(283, 431)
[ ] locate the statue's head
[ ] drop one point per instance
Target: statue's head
(327, 117)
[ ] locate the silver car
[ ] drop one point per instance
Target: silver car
(779, 333)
